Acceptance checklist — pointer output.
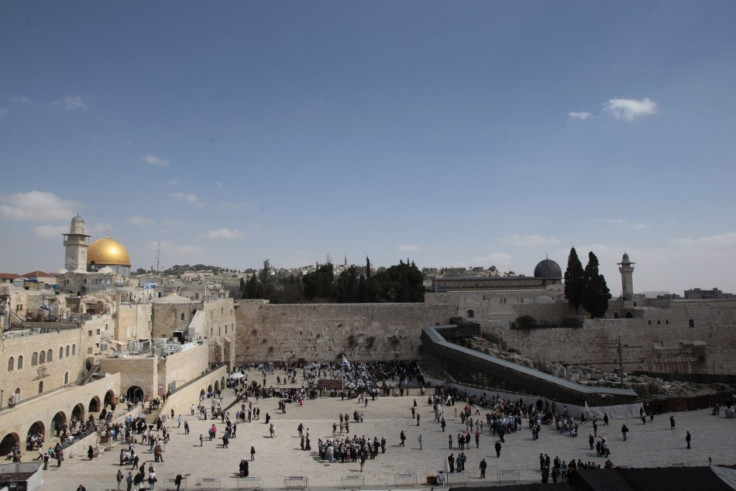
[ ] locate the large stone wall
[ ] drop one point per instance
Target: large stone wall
(660, 341)
(133, 321)
(135, 371)
(325, 331)
(59, 371)
(179, 368)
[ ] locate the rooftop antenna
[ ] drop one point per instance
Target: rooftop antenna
(158, 255)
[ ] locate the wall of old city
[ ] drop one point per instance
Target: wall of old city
(135, 371)
(689, 337)
(133, 321)
(325, 331)
(18, 420)
(182, 400)
(61, 364)
(178, 368)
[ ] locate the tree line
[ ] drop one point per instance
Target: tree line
(400, 283)
(586, 287)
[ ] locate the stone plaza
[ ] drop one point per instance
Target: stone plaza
(652, 444)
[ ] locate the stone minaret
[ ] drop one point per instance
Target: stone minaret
(76, 245)
(626, 268)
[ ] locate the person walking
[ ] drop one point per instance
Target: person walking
(672, 422)
(420, 440)
(252, 453)
(119, 479)
(129, 481)
(687, 439)
(624, 430)
(483, 466)
(498, 449)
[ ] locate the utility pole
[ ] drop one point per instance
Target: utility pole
(158, 255)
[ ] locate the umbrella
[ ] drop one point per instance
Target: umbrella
(236, 375)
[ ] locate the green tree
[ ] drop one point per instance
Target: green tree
(574, 282)
(596, 293)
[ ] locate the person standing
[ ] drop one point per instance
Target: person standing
(498, 449)
(624, 430)
(129, 481)
(672, 422)
(252, 453)
(687, 439)
(483, 466)
(420, 440)
(119, 479)
(451, 463)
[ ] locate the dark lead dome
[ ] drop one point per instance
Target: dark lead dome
(547, 268)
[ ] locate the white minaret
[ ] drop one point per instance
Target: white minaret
(626, 268)
(76, 245)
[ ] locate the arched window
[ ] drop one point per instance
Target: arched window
(61, 352)
(49, 356)
(40, 386)
(74, 349)
(20, 362)
(66, 378)
(11, 364)
(42, 358)
(34, 359)
(66, 351)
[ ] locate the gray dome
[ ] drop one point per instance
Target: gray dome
(547, 268)
(77, 219)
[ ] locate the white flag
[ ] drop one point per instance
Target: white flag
(345, 362)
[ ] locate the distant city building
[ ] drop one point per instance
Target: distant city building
(712, 294)
(547, 273)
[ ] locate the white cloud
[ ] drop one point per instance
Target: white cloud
(189, 197)
(50, 231)
(71, 103)
(153, 160)
(222, 233)
(582, 116)
(140, 221)
(173, 182)
(502, 261)
(3, 111)
(173, 222)
(219, 185)
(408, 248)
(630, 109)
(22, 99)
(528, 240)
(36, 206)
(717, 241)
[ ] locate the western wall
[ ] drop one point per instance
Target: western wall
(685, 336)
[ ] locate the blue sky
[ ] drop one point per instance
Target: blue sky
(452, 133)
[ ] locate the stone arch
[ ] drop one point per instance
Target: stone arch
(8, 443)
(94, 405)
(222, 383)
(66, 351)
(57, 422)
(37, 428)
(49, 355)
(202, 393)
(134, 393)
(34, 359)
(209, 388)
(66, 378)
(217, 386)
(78, 413)
(11, 364)
(42, 357)
(20, 362)
(109, 398)
(40, 387)
(61, 352)
(74, 349)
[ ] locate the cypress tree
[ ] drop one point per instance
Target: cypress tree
(574, 284)
(596, 293)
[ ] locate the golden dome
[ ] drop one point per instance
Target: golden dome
(108, 251)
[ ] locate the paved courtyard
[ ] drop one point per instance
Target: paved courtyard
(652, 445)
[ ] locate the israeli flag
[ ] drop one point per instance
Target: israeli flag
(45, 306)
(345, 362)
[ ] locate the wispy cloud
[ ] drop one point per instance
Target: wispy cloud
(223, 233)
(22, 100)
(189, 197)
(528, 240)
(173, 182)
(581, 116)
(717, 241)
(71, 103)
(50, 231)
(153, 160)
(219, 185)
(140, 221)
(408, 248)
(623, 223)
(630, 109)
(502, 261)
(3, 111)
(36, 206)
